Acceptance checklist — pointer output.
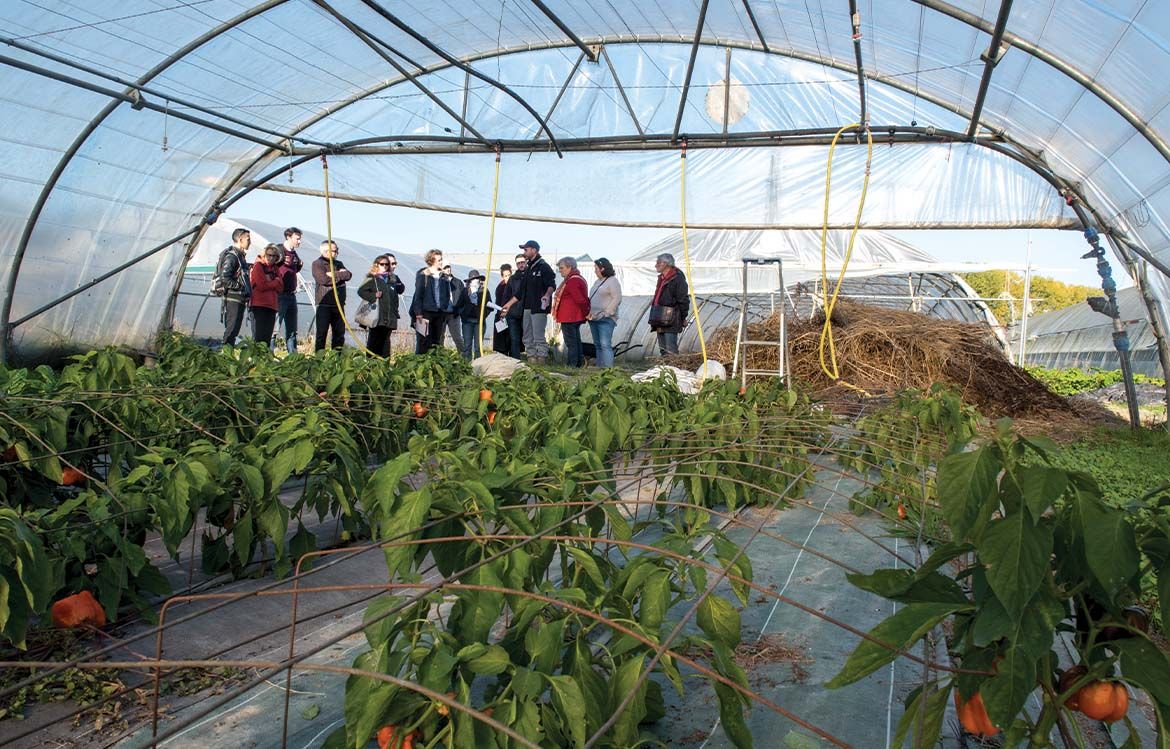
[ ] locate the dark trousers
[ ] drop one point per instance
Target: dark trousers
(516, 336)
(263, 323)
(434, 336)
(286, 316)
(501, 340)
(233, 319)
(571, 332)
(329, 319)
(378, 339)
(667, 342)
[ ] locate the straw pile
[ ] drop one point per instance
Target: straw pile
(882, 351)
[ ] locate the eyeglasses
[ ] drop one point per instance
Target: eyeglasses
(383, 265)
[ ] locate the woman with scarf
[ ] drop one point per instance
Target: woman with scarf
(668, 311)
(570, 307)
(267, 279)
(382, 287)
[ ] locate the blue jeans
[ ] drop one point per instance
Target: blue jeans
(602, 332)
(470, 338)
(286, 316)
(571, 331)
(667, 342)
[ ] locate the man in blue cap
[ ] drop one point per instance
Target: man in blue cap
(536, 297)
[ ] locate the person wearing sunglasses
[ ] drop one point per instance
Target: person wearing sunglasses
(382, 287)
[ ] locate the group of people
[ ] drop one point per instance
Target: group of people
(525, 297)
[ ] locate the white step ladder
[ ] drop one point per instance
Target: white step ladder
(742, 343)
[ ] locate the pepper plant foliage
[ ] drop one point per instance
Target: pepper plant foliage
(1034, 554)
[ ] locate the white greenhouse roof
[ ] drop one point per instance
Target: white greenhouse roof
(126, 124)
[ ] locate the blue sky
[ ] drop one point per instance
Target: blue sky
(405, 230)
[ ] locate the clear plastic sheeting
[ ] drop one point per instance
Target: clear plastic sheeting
(883, 272)
(1081, 86)
(911, 187)
(1077, 337)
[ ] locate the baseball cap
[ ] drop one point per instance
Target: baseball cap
(531, 243)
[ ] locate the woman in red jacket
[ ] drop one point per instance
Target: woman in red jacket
(570, 307)
(267, 277)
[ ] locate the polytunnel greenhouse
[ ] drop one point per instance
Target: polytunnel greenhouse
(775, 479)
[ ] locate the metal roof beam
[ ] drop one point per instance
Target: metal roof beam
(698, 38)
(421, 39)
(376, 44)
(755, 25)
(585, 48)
(991, 58)
(1118, 106)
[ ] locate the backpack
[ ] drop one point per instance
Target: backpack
(220, 284)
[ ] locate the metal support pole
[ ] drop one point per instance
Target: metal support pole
(785, 372)
(424, 41)
(682, 102)
(1024, 315)
(561, 93)
(377, 45)
(727, 92)
(755, 25)
(621, 90)
(585, 50)
(855, 20)
(991, 58)
(741, 330)
(1157, 321)
(108, 274)
(1110, 308)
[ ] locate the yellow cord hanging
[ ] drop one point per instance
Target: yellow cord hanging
(826, 341)
(491, 247)
(687, 259)
(332, 269)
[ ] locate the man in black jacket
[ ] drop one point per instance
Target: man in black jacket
(286, 301)
(330, 275)
(539, 282)
(232, 268)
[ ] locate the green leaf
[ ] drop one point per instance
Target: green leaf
(1041, 487)
(310, 712)
(493, 661)
(242, 539)
(926, 707)
(625, 730)
(655, 600)
(1015, 554)
(1110, 548)
(569, 701)
(589, 565)
(546, 644)
(898, 632)
(1005, 693)
(731, 716)
(909, 586)
(966, 489)
(253, 480)
(794, 740)
(719, 619)
(1143, 664)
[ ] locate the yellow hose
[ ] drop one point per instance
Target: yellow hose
(491, 247)
(332, 270)
(826, 341)
(687, 259)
